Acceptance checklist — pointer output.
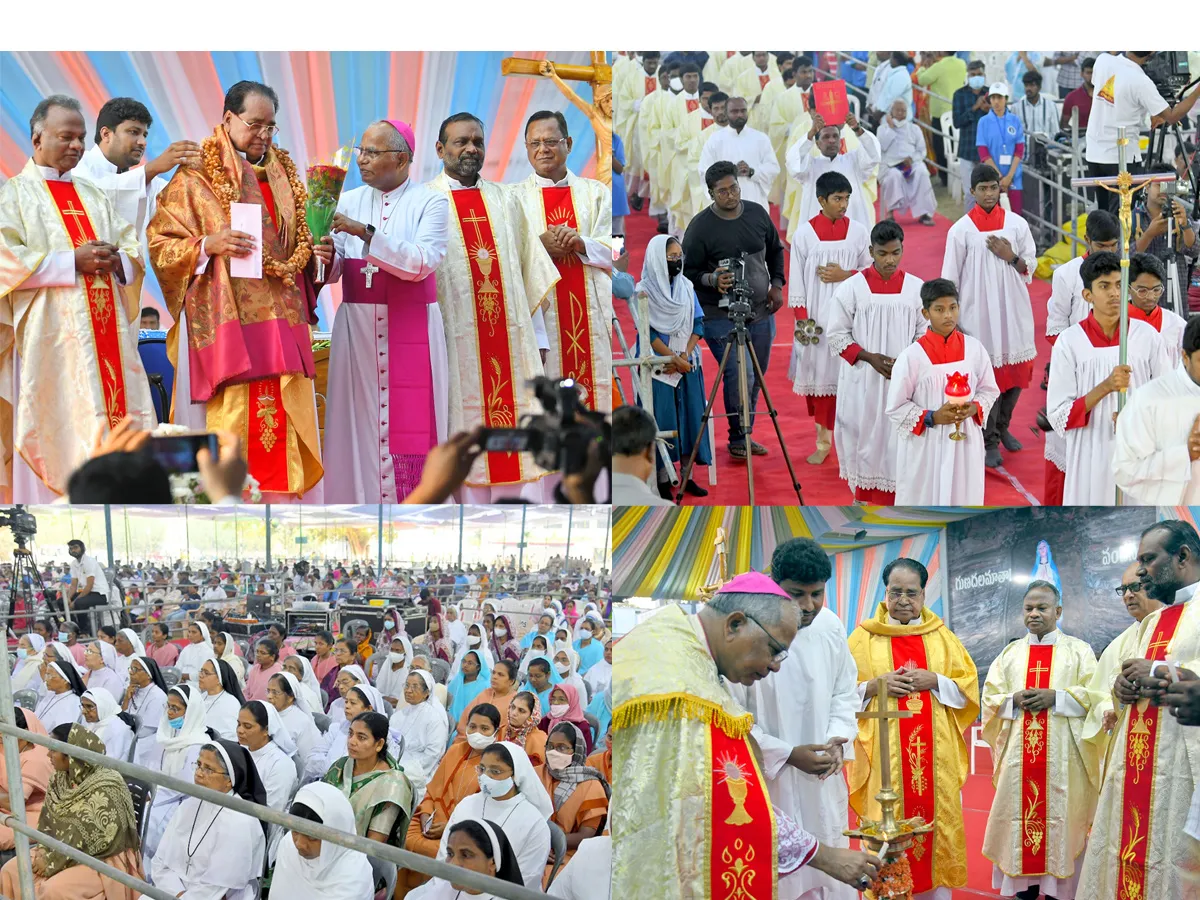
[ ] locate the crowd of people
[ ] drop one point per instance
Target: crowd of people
(469, 742)
(889, 364)
(1096, 789)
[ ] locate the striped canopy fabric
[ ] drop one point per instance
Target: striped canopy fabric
(326, 100)
(668, 553)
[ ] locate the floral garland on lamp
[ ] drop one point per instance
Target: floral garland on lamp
(227, 194)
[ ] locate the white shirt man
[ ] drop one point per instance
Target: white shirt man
(858, 165)
(751, 146)
(903, 177)
(1158, 440)
(133, 199)
(84, 568)
(1124, 97)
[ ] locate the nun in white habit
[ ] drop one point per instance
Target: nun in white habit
(129, 646)
(456, 631)
(194, 654)
(25, 676)
(145, 698)
(491, 854)
(222, 697)
(476, 640)
(294, 709)
(393, 673)
(174, 751)
(60, 705)
(103, 718)
(101, 659)
(516, 801)
(261, 731)
(359, 699)
(356, 675)
(423, 724)
(307, 867)
(209, 852)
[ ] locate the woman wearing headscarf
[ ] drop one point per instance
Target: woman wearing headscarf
(500, 691)
(146, 698)
(302, 669)
(226, 649)
(455, 629)
(437, 638)
(291, 702)
(524, 715)
(503, 642)
(371, 779)
(57, 650)
(566, 664)
(26, 675)
(262, 732)
(544, 624)
(580, 793)
(101, 715)
(588, 646)
(676, 326)
(365, 648)
(210, 852)
(570, 612)
(174, 751)
(565, 706)
(421, 721)
(266, 666)
(36, 770)
(308, 867)
(347, 678)
(128, 645)
(100, 660)
(512, 796)
(480, 846)
(540, 646)
(88, 808)
(392, 674)
(599, 676)
(477, 640)
(343, 657)
(473, 678)
(359, 699)
(198, 649)
(221, 695)
(63, 690)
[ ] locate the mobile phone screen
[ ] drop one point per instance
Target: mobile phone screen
(177, 452)
(506, 440)
(618, 244)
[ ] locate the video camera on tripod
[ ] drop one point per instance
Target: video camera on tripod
(1169, 71)
(739, 298)
(21, 521)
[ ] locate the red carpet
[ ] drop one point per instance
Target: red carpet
(923, 252)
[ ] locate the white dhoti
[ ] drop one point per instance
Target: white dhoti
(914, 193)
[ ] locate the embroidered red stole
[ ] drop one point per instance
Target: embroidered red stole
(916, 760)
(101, 293)
(651, 84)
(692, 105)
(1141, 739)
(266, 437)
(571, 298)
(491, 327)
(1035, 748)
(763, 80)
(743, 823)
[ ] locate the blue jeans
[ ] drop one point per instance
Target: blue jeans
(716, 335)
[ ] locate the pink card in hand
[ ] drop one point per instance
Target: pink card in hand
(247, 217)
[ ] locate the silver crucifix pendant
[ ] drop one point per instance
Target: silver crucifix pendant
(369, 270)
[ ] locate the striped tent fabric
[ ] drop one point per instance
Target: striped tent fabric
(326, 101)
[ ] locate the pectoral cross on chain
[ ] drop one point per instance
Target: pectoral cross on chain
(1037, 674)
(369, 270)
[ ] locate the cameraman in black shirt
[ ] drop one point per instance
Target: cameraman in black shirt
(726, 230)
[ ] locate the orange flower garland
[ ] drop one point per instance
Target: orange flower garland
(227, 194)
(895, 880)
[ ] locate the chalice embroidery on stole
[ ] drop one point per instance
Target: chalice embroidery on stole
(737, 782)
(1138, 753)
(1035, 737)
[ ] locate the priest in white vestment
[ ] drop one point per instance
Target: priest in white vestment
(572, 217)
(629, 95)
(991, 256)
(697, 130)
(752, 81)
(495, 275)
(858, 165)
(804, 717)
(747, 148)
(655, 114)
(70, 283)
(400, 228)
(1086, 376)
(904, 182)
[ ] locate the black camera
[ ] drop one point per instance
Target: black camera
(558, 438)
(741, 294)
(21, 521)
(1169, 71)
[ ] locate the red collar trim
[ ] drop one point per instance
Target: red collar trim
(829, 230)
(877, 285)
(950, 349)
(1096, 334)
(984, 221)
(1154, 318)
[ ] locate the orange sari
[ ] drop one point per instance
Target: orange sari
(454, 779)
(587, 807)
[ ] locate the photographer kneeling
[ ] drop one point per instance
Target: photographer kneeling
(727, 229)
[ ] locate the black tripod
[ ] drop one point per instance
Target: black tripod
(740, 338)
(25, 567)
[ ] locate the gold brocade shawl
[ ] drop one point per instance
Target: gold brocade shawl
(53, 422)
(1100, 692)
(871, 647)
(666, 694)
(527, 274)
(1173, 858)
(593, 214)
(1072, 765)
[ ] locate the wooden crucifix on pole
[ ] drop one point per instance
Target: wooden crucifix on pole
(598, 111)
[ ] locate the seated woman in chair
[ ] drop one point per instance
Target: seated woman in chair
(103, 718)
(88, 808)
(36, 770)
(481, 846)
(579, 792)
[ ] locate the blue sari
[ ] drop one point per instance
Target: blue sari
(601, 708)
(463, 693)
(555, 678)
(527, 641)
(589, 655)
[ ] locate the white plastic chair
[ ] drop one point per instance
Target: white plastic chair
(976, 743)
(950, 141)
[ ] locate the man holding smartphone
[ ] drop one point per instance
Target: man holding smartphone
(88, 587)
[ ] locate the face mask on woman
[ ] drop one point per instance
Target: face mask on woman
(558, 710)
(63, 637)
(674, 267)
(480, 741)
(176, 723)
(491, 787)
(394, 657)
(557, 760)
(501, 631)
(563, 668)
(22, 653)
(474, 640)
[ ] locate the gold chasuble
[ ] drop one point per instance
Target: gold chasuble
(579, 308)
(249, 339)
(77, 355)
(1138, 849)
(1046, 776)
(691, 817)
(495, 274)
(927, 749)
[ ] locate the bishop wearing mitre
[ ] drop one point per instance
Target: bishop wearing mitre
(931, 676)
(248, 340)
(1035, 704)
(70, 282)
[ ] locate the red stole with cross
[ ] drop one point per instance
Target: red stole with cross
(916, 759)
(101, 293)
(491, 327)
(571, 299)
(743, 860)
(1035, 748)
(1141, 739)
